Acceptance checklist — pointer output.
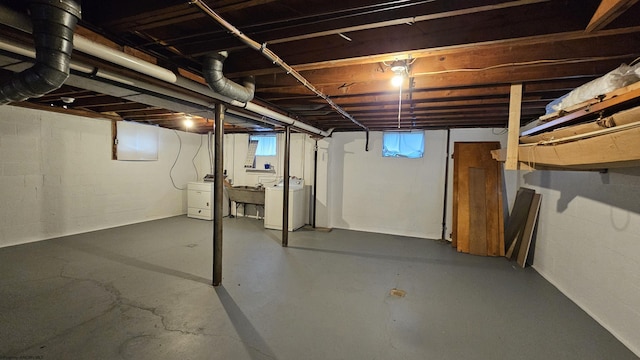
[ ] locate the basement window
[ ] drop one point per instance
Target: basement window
(134, 142)
(266, 144)
(262, 153)
(403, 144)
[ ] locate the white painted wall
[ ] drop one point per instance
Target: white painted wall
(387, 195)
(57, 177)
(397, 196)
(588, 243)
(323, 182)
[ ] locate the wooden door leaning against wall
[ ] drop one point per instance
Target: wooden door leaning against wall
(478, 219)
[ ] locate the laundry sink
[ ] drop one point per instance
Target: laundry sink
(246, 194)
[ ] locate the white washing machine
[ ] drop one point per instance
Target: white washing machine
(297, 205)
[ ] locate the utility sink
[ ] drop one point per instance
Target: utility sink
(246, 194)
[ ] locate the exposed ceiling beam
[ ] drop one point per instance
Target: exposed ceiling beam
(608, 11)
(555, 41)
(77, 112)
(407, 20)
(175, 14)
(460, 79)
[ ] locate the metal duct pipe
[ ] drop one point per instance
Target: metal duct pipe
(212, 71)
(20, 22)
(182, 82)
(53, 25)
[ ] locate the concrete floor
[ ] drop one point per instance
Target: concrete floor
(142, 292)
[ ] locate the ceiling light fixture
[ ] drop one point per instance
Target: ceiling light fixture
(399, 69)
(188, 122)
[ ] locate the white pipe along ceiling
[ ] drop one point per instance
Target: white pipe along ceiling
(82, 44)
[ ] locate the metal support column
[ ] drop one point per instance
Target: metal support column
(446, 185)
(218, 194)
(315, 182)
(285, 189)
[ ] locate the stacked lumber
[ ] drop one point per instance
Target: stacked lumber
(521, 226)
(622, 118)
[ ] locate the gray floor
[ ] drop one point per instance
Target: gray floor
(142, 292)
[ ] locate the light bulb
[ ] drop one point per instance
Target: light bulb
(188, 123)
(397, 80)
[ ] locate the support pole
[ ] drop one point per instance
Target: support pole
(315, 182)
(285, 189)
(218, 194)
(446, 185)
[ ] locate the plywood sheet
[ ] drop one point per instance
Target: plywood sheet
(477, 211)
(518, 218)
(477, 195)
(527, 234)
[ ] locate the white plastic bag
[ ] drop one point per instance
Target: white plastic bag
(620, 77)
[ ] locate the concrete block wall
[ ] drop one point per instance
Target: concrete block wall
(588, 243)
(57, 176)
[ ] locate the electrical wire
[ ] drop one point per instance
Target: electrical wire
(176, 161)
(399, 106)
(210, 150)
(193, 160)
(534, 62)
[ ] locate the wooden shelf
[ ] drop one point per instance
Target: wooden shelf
(604, 149)
(260, 171)
(598, 134)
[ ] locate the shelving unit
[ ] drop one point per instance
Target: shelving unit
(598, 134)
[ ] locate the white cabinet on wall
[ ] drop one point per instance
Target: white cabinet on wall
(200, 200)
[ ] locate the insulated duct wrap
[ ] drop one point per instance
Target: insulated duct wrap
(54, 22)
(212, 71)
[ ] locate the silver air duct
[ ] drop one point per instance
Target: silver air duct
(54, 23)
(212, 71)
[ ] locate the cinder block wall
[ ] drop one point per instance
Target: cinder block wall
(57, 176)
(588, 243)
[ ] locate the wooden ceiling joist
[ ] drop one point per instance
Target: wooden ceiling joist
(608, 11)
